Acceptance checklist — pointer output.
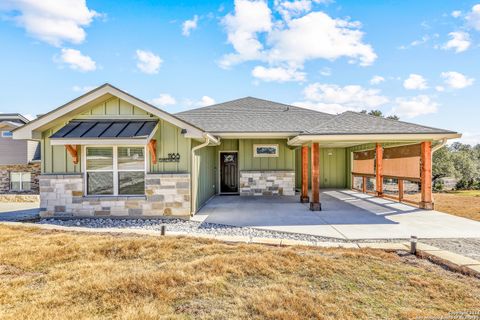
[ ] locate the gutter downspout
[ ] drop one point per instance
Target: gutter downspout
(194, 184)
(439, 146)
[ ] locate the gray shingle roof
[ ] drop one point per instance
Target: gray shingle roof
(105, 129)
(257, 115)
(351, 122)
(253, 115)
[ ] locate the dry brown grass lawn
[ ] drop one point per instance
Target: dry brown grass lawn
(460, 203)
(46, 274)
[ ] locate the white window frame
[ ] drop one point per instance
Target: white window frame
(21, 181)
(256, 155)
(7, 134)
(114, 170)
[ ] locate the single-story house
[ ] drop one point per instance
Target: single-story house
(19, 159)
(108, 153)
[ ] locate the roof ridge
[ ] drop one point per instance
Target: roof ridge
(326, 122)
(255, 98)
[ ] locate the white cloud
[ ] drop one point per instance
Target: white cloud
(83, 89)
(277, 74)
(415, 82)
(318, 36)
(51, 21)
(456, 80)
(77, 61)
(249, 18)
(440, 88)
(298, 36)
(335, 99)
(148, 62)
(473, 17)
(295, 8)
(456, 13)
(414, 106)
(189, 25)
(377, 80)
(460, 41)
(164, 99)
(206, 101)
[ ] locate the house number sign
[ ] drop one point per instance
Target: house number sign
(172, 157)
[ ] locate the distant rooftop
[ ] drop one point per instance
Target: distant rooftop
(13, 117)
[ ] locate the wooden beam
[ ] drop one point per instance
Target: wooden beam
(152, 148)
(364, 184)
(315, 203)
(379, 169)
(73, 151)
(426, 175)
(304, 196)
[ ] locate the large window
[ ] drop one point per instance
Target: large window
(115, 170)
(20, 181)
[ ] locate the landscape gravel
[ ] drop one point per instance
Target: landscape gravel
(189, 227)
(466, 247)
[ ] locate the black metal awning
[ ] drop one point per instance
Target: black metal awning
(106, 129)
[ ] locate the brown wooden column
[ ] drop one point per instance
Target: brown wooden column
(315, 203)
(426, 175)
(379, 169)
(304, 196)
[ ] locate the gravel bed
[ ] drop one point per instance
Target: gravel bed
(190, 227)
(466, 247)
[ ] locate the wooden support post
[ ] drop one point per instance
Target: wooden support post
(400, 190)
(304, 196)
(379, 169)
(315, 203)
(364, 184)
(152, 148)
(73, 151)
(426, 175)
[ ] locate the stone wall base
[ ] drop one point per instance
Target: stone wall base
(5, 170)
(165, 195)
(267, 183)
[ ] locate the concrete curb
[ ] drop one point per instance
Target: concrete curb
(452, 260)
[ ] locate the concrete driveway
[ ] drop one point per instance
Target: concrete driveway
(18, 211)
(345, 214)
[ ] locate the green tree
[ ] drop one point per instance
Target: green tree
(378, 113)
(443, 164)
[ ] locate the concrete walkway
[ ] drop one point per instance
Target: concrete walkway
(18, 211)
(345, 214)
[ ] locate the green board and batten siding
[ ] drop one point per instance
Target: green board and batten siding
(247, 162)
(333, 168)
(205, 160)
(55, 159)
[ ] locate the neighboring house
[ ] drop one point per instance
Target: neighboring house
(110, 153)
(19, 159)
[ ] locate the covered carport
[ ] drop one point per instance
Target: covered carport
(346, 214)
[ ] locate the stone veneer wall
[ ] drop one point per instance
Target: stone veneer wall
(165, 195)
(267, 183)
(33, 168)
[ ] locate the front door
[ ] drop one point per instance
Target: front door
(228, 172)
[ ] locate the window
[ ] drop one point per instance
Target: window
(20, 181)
(7, 134)
(265, 150)
(115, 170)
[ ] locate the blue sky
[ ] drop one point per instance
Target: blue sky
(417, 59)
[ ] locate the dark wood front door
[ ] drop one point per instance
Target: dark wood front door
(228, 172)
